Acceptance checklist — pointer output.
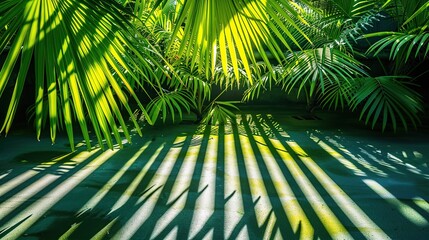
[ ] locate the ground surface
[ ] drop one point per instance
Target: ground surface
(273, 175)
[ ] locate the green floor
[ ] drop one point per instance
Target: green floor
(273, 175)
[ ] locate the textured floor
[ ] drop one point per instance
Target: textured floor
(272, 175)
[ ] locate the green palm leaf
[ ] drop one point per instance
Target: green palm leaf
(170, 104)
(311, 69)
(421, 12)
(385, 99)
(220, 112)
(75, 45)
(407, 44)
(233, 30)
(338, 94)
(263, 83)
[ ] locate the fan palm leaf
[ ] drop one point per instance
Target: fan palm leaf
(264, 83)
(75, 46)
(235, 31)
(338, 94)
(221, 112)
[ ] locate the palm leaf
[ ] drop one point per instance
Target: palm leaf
(385, 99)
(170, 104)
(234, 31)
(75, 45)
(421, 11)
(193, 81)
(412, 45)
(312, 68)
(337, 95)
(263, 83)
(220, 112)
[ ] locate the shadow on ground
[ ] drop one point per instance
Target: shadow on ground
(267, 176)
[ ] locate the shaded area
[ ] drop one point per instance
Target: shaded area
(267, 176)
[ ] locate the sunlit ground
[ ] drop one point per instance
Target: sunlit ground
(271, 175)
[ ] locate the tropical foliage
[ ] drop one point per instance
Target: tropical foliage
(411, 40)
(409, 43)
(183, 85)
(331, 76)
(89, 54)
(78, 50)
(92, 62)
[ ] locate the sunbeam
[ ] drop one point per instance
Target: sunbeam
(290, 203)
(234, 205)
(137, 180)
(205, 204)
(92, 203)
(112, 181)
(105, 230)
(23, 177)
(365, 225)
(179, 193)
(148, 201)
(36, 210)
(423, 204)
(334, 226)
(69, 232)
(256, 182)
(348, 164)
(364, 163)
(408, 212)
(255, 178)
(24, 195)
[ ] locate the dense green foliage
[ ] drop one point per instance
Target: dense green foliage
(88, 59)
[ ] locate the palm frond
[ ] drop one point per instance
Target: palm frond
(220, 112)
(386, 100)
(422, 12)
(75, 45)
(193, 81)
(409, 14)
(312, 68)
(410, 45)
(234, 31)
(170, 104)
(263, 83)
(337, 95)
(344, 22)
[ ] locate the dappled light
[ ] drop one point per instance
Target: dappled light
(234, 109)
(252, 178)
